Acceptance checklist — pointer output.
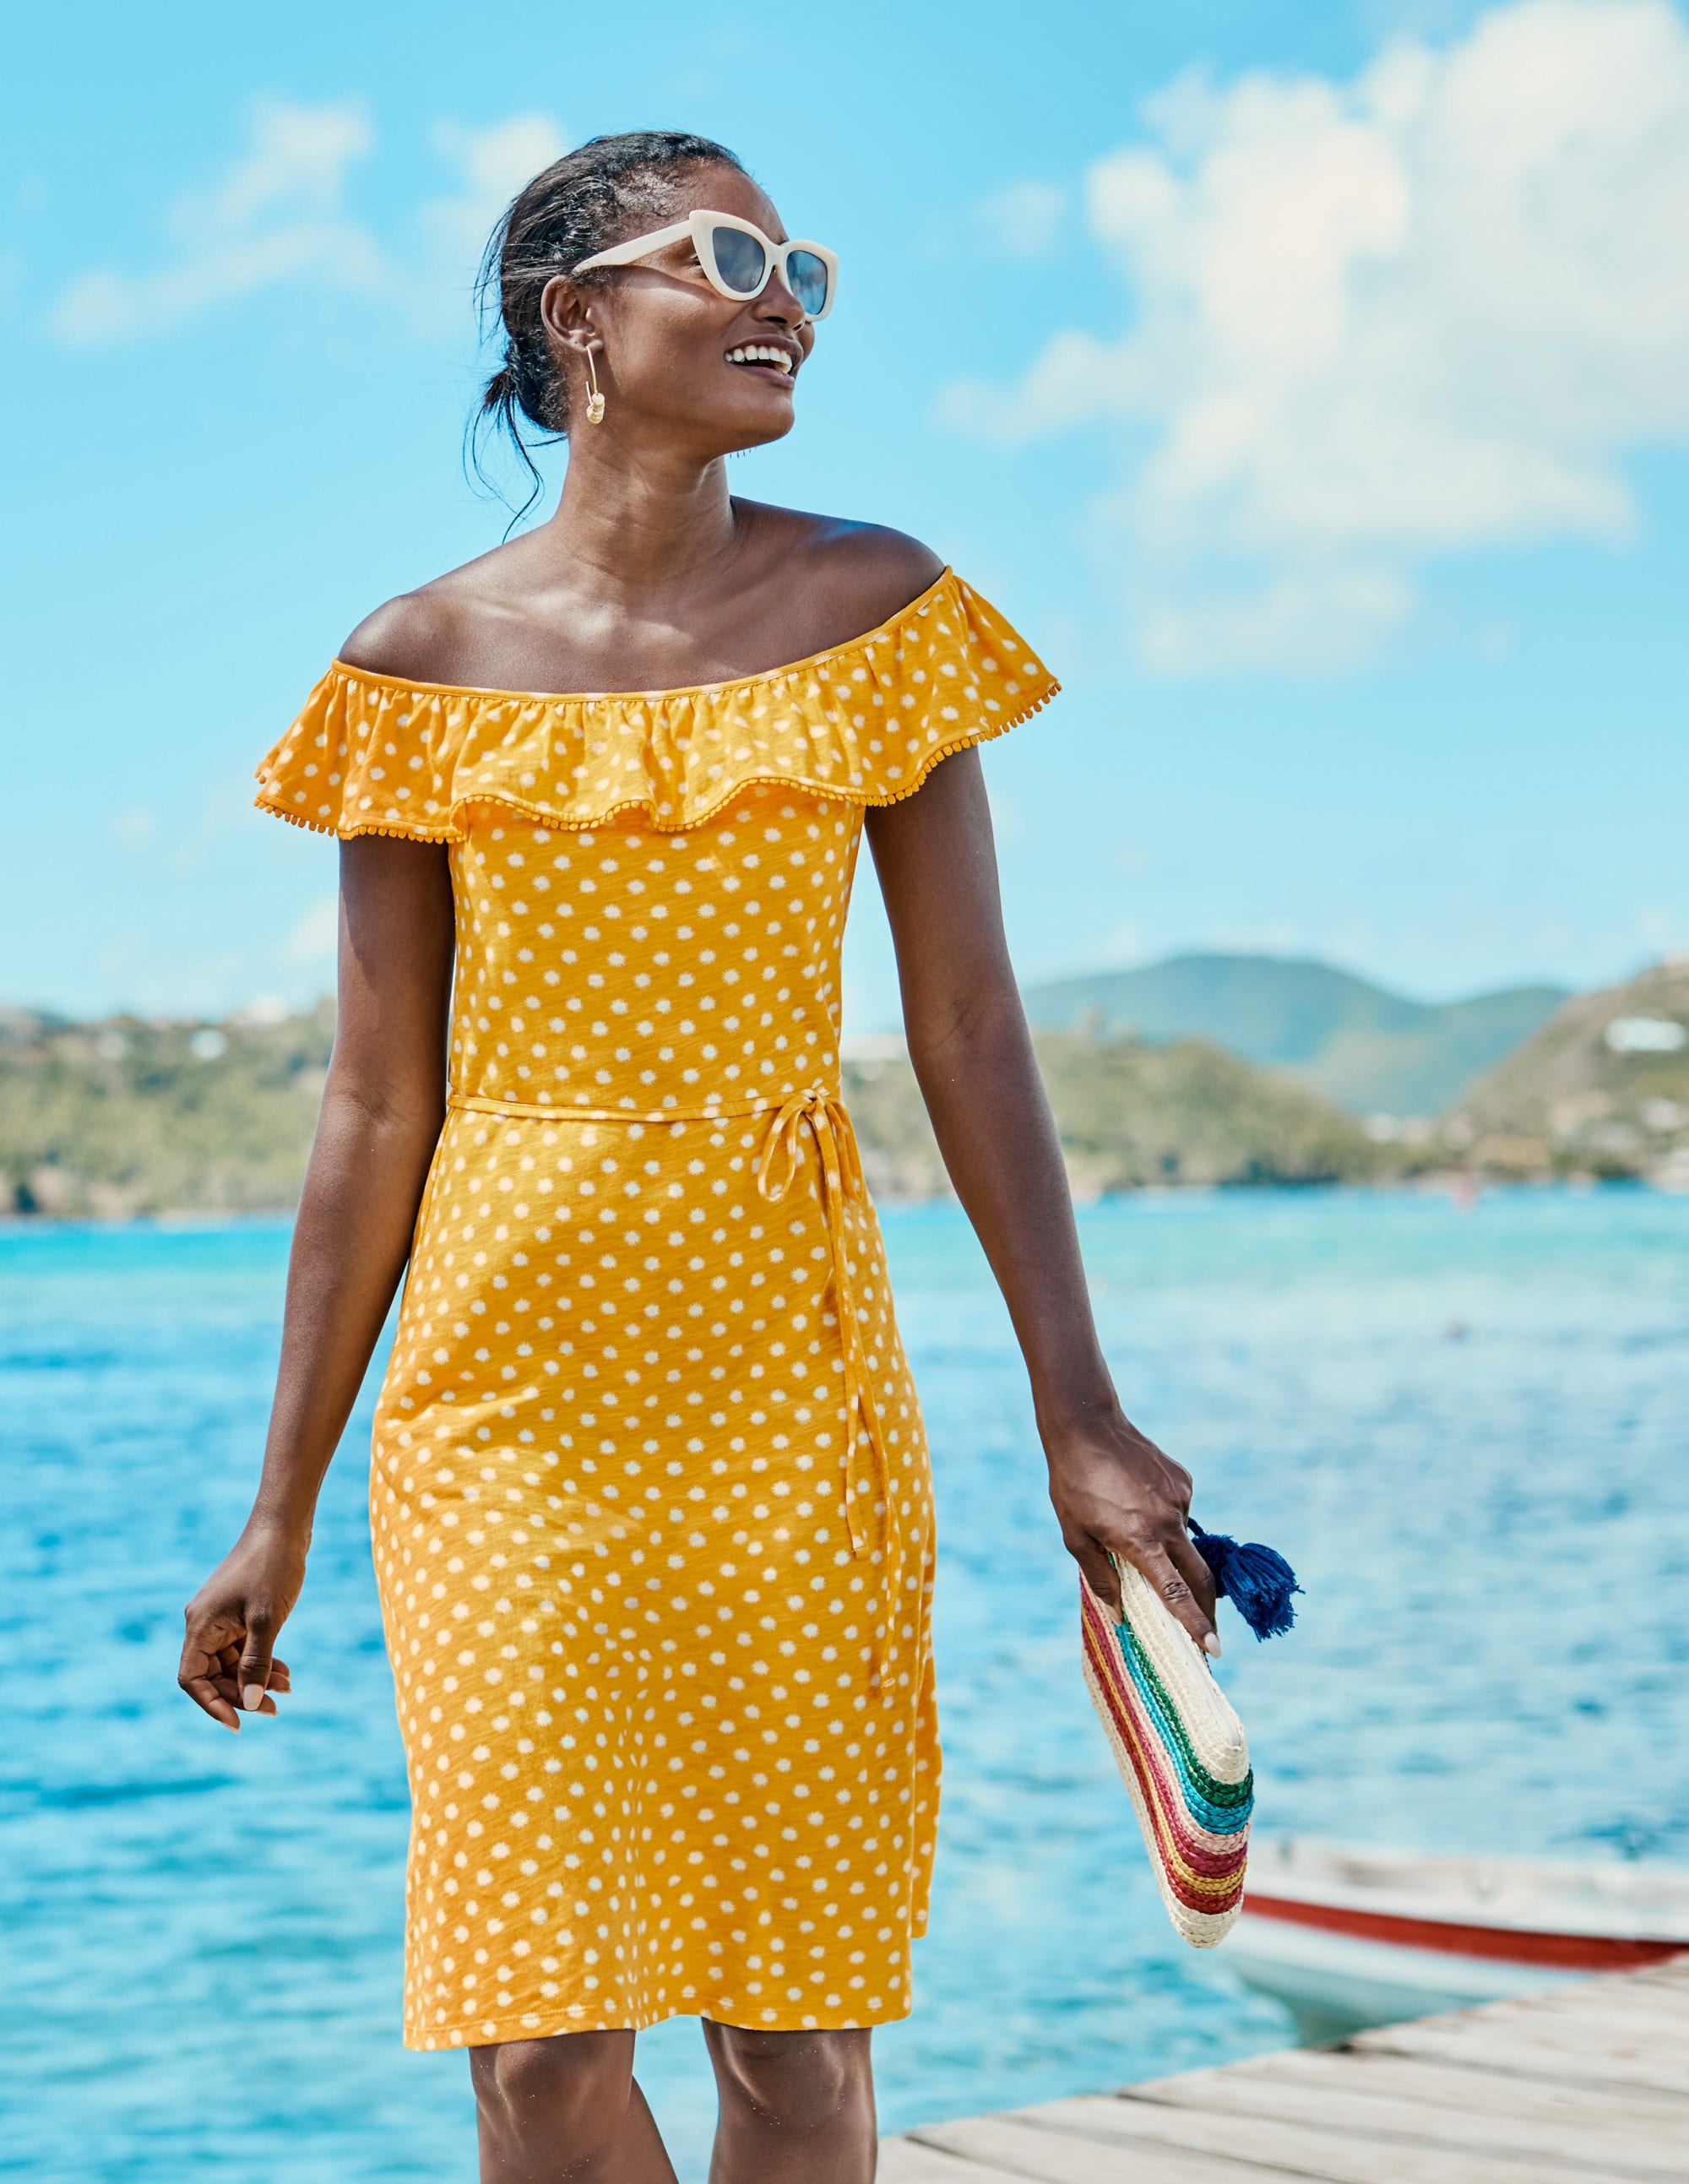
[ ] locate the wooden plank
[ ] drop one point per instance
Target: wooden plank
(1294, 2148)
(1592, 2013)
(1586, 2085)
(1449, 2086)
(906, 2161)
(1624, 1996)
(1053, 2157)
(1666, 2007)
(1539, 2050)
(1674, 1972)
(1337, 2099)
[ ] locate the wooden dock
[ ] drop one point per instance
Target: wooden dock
(1588, 2084)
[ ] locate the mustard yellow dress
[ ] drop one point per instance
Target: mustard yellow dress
(649, 1491)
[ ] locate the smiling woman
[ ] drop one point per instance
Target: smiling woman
(650, 1496)
(563, 213)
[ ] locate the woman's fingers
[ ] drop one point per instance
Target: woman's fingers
(227, 1688)
(227, 1668)
(1155, 1564)
(1099, 1573)
(196, 1677)
(253, 1674)
(1187, 1558)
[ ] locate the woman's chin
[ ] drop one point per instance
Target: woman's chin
(772, 421)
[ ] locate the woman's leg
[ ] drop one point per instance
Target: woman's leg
(565, 2111)
(796, 2108)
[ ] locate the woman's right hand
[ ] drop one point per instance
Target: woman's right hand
(233, 1620)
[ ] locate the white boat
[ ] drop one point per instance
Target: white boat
(1348, 1938)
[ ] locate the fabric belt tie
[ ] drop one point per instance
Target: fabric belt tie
(827, 1121)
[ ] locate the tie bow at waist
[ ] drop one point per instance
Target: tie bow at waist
(827, 1121)
(866, 1470)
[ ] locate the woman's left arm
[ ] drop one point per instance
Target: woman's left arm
(972, 1053)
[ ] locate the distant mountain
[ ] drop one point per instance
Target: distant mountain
(1130, 1114)
(121, 1117)
(1365, 1049)
(125, 1116)
(1602, 1088)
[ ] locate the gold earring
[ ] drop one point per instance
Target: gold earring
(595, 400)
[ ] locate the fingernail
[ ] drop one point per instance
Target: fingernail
(1211, 1644)
(253, 1697)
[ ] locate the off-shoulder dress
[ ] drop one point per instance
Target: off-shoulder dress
(649, 1489)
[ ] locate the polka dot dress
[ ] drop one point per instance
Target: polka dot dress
(650, 1494)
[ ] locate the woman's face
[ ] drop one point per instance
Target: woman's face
(669, 350)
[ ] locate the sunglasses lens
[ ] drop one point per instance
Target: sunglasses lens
(806, 278)
(740, 260)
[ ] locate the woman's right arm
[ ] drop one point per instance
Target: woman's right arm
(381, 1113)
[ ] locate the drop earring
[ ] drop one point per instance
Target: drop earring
(595, 399)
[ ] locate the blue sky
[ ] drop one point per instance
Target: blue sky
(1310, 382)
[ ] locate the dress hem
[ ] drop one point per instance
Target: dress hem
(434, 2038)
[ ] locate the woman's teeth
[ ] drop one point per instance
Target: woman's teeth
(755, 353)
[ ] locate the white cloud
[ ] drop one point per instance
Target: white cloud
(493, 164)
(277, 214)
(1432, 308)
(1024, 219)
(1302, 619)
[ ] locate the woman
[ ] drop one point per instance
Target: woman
(650, 1499)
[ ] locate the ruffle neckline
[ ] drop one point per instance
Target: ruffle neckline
(864, 722)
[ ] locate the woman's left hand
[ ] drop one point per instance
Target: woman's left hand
(1114, 1490)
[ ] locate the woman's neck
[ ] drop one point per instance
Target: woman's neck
(631, 528)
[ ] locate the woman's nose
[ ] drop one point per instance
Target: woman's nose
(776, 302)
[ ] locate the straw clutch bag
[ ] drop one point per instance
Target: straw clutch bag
(1179, 1745)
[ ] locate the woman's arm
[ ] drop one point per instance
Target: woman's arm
(382, 1112)
(972, 1058)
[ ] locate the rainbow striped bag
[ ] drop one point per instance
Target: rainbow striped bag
(1180, 1748)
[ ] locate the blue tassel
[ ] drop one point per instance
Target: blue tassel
(1257, 1582)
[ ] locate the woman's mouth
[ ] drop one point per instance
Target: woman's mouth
(761, 356)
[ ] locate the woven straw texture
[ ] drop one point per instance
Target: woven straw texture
(1181, 1752)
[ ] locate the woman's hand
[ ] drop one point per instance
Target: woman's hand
(233, 1621)
(1112, 1489)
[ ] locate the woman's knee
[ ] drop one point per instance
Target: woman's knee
(573, 2087)
(801, 2081)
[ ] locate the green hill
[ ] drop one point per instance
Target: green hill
(1130, 1114)
(121, 1117)
(1365, 1049)
(127, 1116)
(1602, 1088)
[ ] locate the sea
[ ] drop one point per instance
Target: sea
(1466, 1427)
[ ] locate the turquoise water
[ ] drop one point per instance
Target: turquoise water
(1468, 1431)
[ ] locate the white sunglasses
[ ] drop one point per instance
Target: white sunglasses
(737, 259)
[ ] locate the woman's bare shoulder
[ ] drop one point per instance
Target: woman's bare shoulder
(865, 573)
(425, 634)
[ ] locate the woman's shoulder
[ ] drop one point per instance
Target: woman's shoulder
(855, 575)
(852, 578)
(419, 635)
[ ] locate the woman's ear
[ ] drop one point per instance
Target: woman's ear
(565, 314)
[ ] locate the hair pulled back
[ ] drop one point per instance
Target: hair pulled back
(596, 195)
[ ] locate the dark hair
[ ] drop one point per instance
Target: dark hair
(591, 198)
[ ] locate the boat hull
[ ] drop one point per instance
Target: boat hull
(1348, 1936)
(1334, 1984)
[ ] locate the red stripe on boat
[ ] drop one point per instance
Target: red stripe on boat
(1577, 1952)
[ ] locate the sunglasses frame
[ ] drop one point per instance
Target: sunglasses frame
(698, 225)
